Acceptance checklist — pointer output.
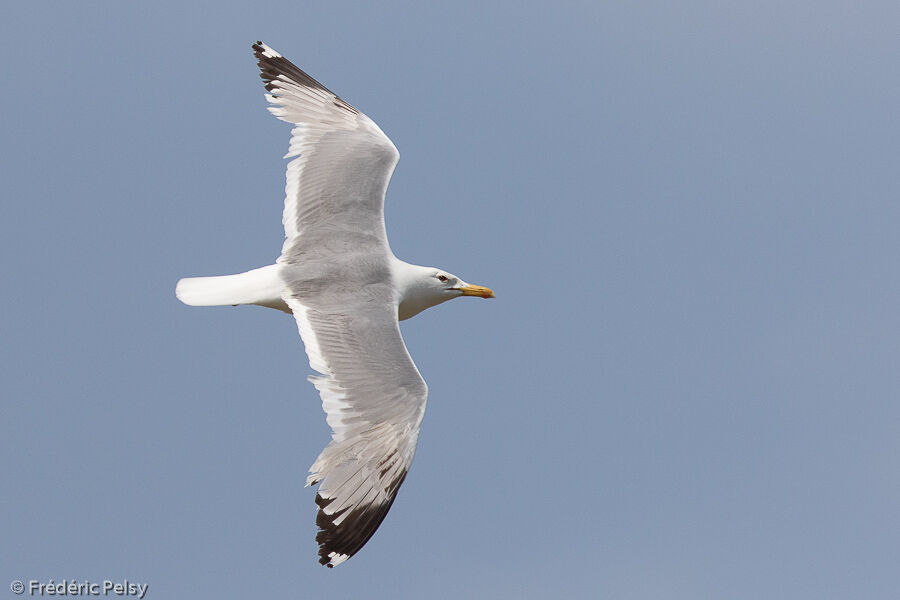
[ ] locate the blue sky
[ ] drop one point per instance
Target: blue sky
(686, 388)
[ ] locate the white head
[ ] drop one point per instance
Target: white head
(424, 287)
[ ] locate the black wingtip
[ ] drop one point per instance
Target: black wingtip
(357, 527)
(273, 66)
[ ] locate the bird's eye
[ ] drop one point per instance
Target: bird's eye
(443, 278)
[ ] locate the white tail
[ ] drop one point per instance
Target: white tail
(260, 286)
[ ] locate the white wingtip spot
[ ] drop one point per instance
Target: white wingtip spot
(268, 52)
(336, 559)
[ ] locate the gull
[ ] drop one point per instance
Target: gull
(348, 293)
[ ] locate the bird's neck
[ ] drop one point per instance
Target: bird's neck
(415, 293)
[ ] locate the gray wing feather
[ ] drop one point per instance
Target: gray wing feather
(374, 399)
(335, 264)
(342, 161)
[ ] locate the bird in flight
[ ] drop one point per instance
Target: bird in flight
(348, 293)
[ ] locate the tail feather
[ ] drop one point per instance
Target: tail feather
(260, 286)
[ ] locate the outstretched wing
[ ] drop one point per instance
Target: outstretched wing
(343, 162)
(342, 299)
(374, 399)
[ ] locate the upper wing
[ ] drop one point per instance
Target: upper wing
(336, 184)
(374, 399)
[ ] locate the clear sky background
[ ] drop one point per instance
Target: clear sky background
(687, 386)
